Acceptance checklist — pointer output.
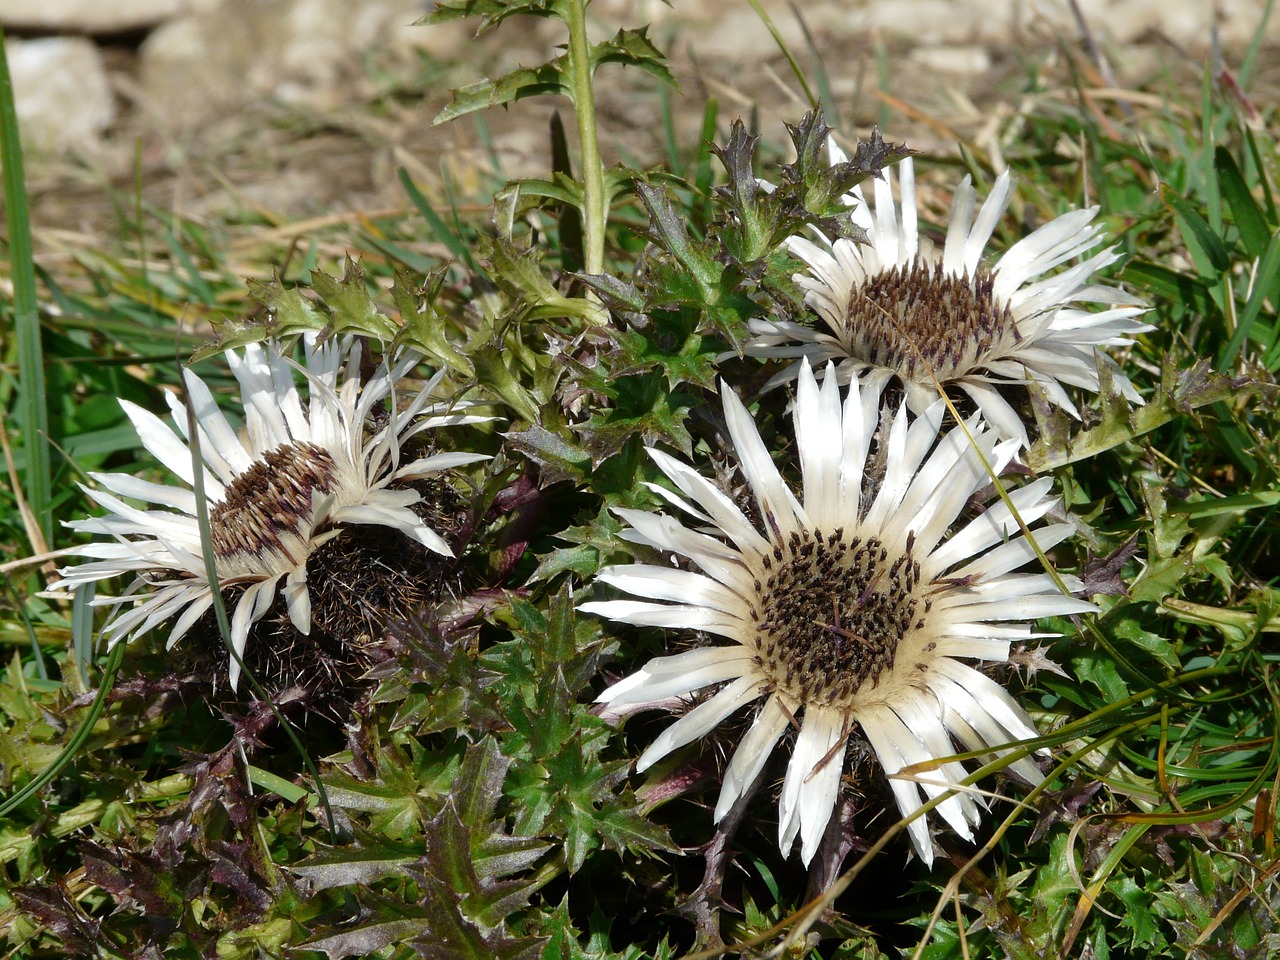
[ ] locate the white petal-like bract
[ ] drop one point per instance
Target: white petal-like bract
(274, 492)
(896, 307)
(848, 610)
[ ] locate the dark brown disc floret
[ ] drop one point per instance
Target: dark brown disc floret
(925, 323)
(272, 500)
(832, 612)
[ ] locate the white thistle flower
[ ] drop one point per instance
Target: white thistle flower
(847, 610)
(896, 307)
(302, 471)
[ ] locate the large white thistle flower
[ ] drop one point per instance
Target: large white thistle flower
(846, 611)
(301, 472)
(897, 308)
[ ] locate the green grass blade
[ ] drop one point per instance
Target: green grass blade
(1261, 165)
(1204, 243)
(1245, 210)
(796, 71)
(1268, 269)
(37, 656)
(33, 411)
(1255, 45)
(703, 173)
(669, 130)
(439, 228)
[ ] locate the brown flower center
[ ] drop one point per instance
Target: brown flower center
(832, 613)
(271, 501)
(926, 324)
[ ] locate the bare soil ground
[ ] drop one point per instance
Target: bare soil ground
(272, 170)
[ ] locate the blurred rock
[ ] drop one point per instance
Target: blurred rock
(937, 21)
(196, 68)
(64, 99)
(92, 16)
(959, 60)
(302, 105)
(1187, 23)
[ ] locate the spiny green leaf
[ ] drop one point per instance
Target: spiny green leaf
(289, 312)
(822, 186)
(593, 542)
(583, 561)
(520, 197)
(667, 230)
(1168, 530)
(344, 305)
(478, 786)
(749, 227)
(492, 370)
(370, 857)
(385, 921)
(449, 875)
(633, 48)
(520, 274)
(1161, 578)
(492, 12)
(557, 458)
(563, 644)
(444, 686)
(674, 349)
(424, 328)
(405, 790)
(351, 308)
(645, 408)
(1056, 885)
(516, 85)
(1138, 918)
(627, 47)
(468, 851)
(618, 295)
(1181, 391)
(1132, 631)
(1102, 673)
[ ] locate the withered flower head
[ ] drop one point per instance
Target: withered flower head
(303, 471)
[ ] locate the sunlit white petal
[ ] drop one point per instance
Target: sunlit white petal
(847, 623)
(935, 319)
(273, 495)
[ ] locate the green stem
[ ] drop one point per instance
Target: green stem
(32, 407)
(595, 205)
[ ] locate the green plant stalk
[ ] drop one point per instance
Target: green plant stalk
(594, 201)
(33, 410)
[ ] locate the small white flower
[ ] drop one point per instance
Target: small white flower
(303, 470)
(847, 610)
(896, 308)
